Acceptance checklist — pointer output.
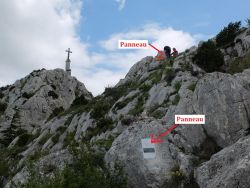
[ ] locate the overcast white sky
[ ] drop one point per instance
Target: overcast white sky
(35, 35)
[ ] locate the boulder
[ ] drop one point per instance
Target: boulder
(224, 101)
(127, 148)
(228, 168)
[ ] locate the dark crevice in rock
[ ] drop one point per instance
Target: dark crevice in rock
(247, 131)
(248, 118)
(206, 149)
(52, 94)
(179, 180)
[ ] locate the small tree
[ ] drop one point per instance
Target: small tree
(209, 57)
(227, 34)
(248, 22)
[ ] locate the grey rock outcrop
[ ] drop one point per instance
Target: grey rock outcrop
(239, 48)
(138, 69)
(224, 99)
(127, 149)
(228, 168)
(145, 102)
(41, 95)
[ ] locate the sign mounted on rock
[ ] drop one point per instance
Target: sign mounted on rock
(148, 149)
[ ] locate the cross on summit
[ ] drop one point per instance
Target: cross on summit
(68, 52)
(67, 66)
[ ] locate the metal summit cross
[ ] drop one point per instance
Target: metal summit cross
(68, 52)
(67, 66)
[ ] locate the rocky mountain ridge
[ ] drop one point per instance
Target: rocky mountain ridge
(45, 113)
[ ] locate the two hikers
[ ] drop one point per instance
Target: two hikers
(165, 57)
(166, 54)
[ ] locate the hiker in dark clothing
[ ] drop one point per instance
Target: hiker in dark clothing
(167, 51)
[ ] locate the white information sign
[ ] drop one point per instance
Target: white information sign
(148, 148)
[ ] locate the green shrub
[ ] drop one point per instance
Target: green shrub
(126, 120)
(61, 129)
(155, 77)
(145, 87)
(79, 106)
(170, 75)
(227, 34)
(105, 123)
(49, 168)
(102, 125)
(4, 88)
(55, 138)
(122, 104)
(69, 120)
(37, 155)
(1, 95)
(248, 22)
(176, 100)
(208, 57)
(186, 67)
(176, 178)
(105, 143)
(87, 170)
(80, 101)
(24, 139)
(3, 107)
(192, 86)
(176, 172)
(68, 139)
(139, 106)
(100, 108)
(11, 133)
(27, 95)
(158, 114)
(177, 86)
(4, 168)
(117, 92)
(56, 112)
(239, 64)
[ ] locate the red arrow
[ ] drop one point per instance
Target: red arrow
(158, 139)
(157, 49)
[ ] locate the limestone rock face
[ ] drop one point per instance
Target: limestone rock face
(127, 149)
(242, 43)
(47, 112)
(228, 168)
(41, 95)
(240, 47)
(138, 69)
(225, 101)
(223, 98)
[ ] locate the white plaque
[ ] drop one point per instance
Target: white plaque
(148, 149)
